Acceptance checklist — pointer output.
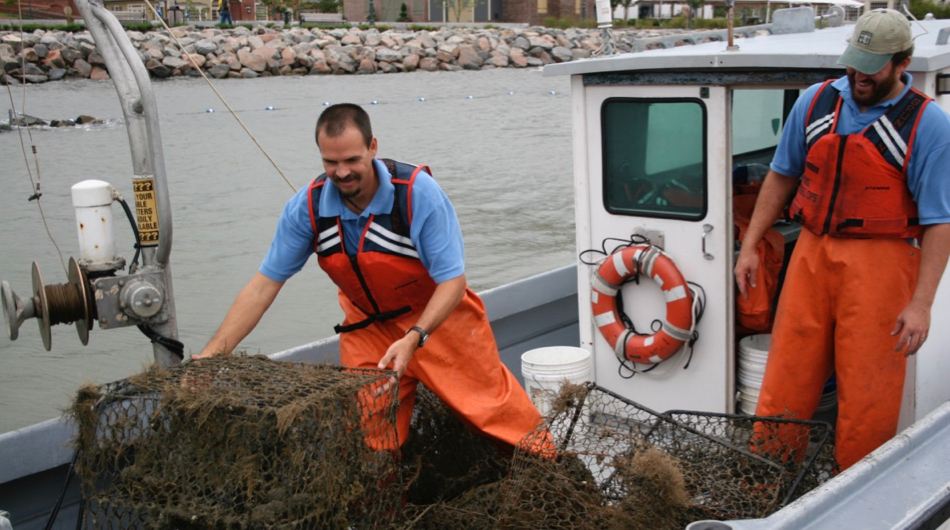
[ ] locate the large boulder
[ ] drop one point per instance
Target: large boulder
(82, 68)
(98, 74)
(251, 61)
(429, 64)
(219, 71)
(157, 69)
(562, 54)
(469, 58)
(205, 46)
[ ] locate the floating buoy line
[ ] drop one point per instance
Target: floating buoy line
(420, 99)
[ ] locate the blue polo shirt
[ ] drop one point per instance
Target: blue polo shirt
(434, 230)
(928, 172)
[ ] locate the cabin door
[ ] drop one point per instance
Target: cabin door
(653, 161)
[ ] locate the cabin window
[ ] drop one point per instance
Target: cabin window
(757, 120)
(654, 156)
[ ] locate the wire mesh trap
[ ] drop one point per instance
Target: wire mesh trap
(238, 442)
(622, 465)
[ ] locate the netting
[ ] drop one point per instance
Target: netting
(252, 443)
(238, 442)
(622, 465)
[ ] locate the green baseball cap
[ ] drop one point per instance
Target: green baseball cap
(878, 35)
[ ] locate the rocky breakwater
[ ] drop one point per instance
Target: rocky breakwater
(246, 53)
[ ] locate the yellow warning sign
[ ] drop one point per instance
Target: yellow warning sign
(146, 211)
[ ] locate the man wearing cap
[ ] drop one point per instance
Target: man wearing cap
(867, 159)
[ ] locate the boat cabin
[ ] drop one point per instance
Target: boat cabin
(662, 140)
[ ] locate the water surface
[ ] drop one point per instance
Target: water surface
(503, 156)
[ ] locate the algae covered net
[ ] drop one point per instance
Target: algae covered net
(246, 442)
(238, 442)
(622, 465)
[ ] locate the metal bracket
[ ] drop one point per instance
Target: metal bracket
(128, 300)
(654, 237)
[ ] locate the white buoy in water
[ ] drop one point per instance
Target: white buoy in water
(209, 111)
(373, 102)
(268, 108)
(422, 99)
(553, 93)
(326, 103)
(469, 97)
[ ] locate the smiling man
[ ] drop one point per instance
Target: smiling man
(389, 238)
(867, 158)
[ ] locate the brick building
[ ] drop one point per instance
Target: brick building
(487, 11)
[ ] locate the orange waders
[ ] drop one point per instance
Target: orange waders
(384, 289)
(459, 363)
(839, 304)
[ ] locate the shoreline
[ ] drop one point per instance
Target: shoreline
(52, 55)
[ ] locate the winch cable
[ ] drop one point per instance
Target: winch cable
(34, 185)
(215, 90)
(698, 308)
(54, 513)
(175, 346)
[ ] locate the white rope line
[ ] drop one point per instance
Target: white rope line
(223, 101)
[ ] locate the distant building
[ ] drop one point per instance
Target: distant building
(486, 11)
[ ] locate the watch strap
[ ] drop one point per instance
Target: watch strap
(423, 335)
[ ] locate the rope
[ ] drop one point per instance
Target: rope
(34, 185)
(65, 304)
(223, 101)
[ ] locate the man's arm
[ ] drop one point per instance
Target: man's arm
(444, 300)
(913, 323)
(246, 311)
(774, 195)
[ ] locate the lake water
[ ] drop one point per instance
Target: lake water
(503, 156)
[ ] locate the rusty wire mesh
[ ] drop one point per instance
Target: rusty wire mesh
(622, 465)
(238, 442)
(252, 443)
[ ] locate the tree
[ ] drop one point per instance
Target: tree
(614, 4)
(457, 7)
(694, 7)
(403, 14)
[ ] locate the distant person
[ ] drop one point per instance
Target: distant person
(389, 238)
(224, 12)
(867, 160)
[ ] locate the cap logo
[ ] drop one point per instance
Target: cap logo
(865, 38)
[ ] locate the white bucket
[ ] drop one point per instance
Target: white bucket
(750, 370)
(546, 369)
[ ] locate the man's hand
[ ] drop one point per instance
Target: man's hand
(913, 324)
(747, 267)
(399, 354)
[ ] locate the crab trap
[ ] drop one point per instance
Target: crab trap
(239, 442)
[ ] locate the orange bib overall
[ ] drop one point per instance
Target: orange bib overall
(851, 274)
(384, 288)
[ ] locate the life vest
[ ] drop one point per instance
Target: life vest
(677, 327)
(856, 185)
(754, 312)
(385, 278)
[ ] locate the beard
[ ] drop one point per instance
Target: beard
(879, 90)
(350, 192)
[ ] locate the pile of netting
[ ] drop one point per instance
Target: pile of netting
(252, 443)
(622, 465)
(238, 442)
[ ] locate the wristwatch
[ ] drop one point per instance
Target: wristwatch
(423, 335)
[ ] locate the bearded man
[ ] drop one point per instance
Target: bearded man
(868, 161)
